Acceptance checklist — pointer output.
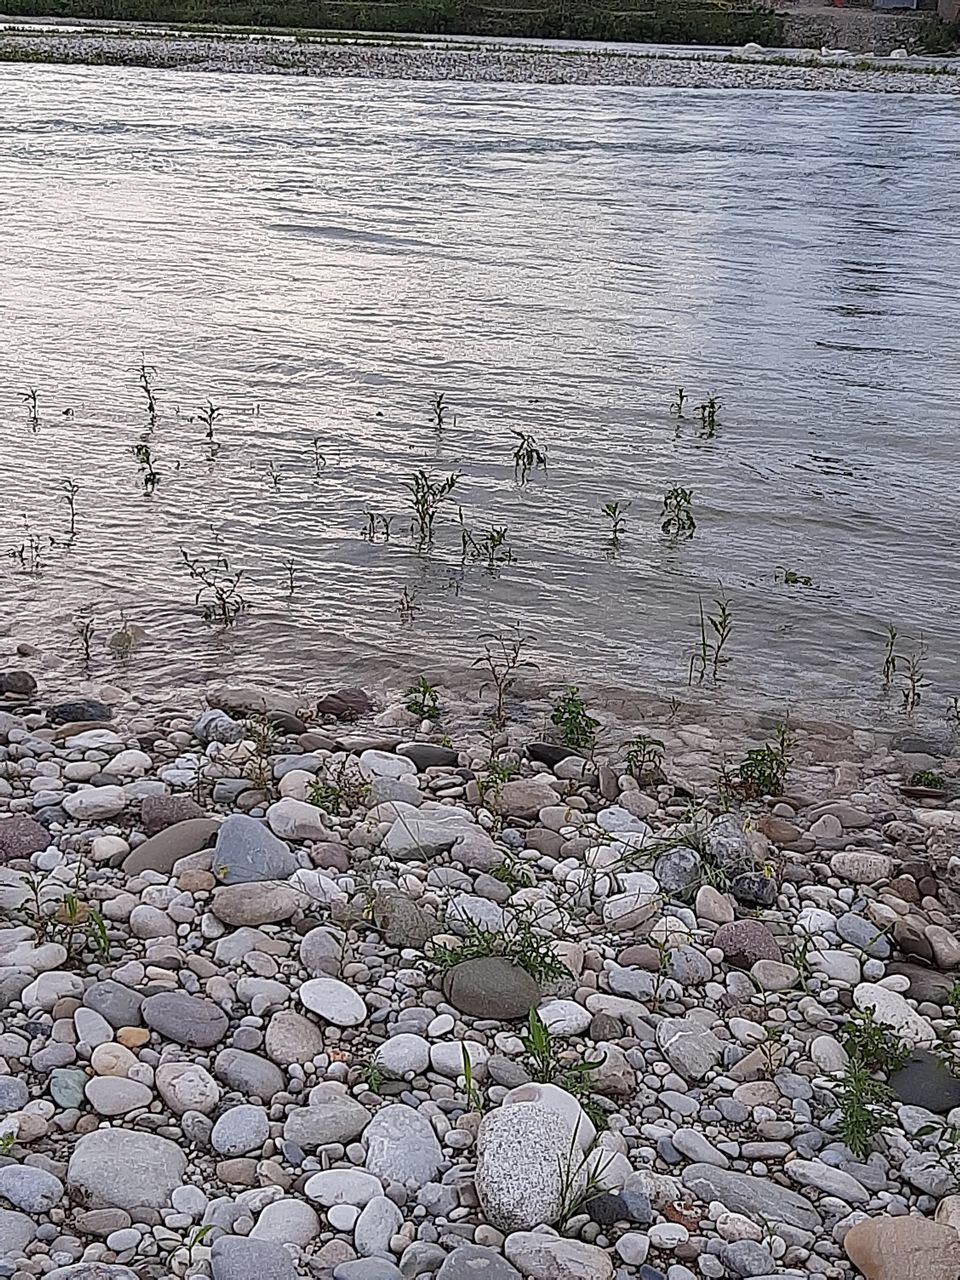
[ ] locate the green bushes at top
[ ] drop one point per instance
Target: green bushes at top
(668, 21)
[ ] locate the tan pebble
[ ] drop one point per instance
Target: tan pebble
(196, 881)
(133, 1037)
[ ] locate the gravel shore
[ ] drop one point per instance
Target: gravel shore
(483, 64)
(248, 952)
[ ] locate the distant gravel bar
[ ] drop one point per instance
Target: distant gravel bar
(477, 63)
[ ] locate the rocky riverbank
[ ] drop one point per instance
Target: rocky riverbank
(327, 992)
(482, 63)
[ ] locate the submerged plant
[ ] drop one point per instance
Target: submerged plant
(30, 399)
(83, 633)
(577, 727)
(616, 513)
(890, 656)
(407, 604)
(219, 591)
(427, 495)
(677, 516)
(319, 460)
(290, 569)
(70, 490)
(422, 700)
(209, 415)
(375, 522)
(273, 475)
(145, 376)
(677, 405)
(149, 475)
(28, 552)
(493, 548)
(710, 653)
(440, 407)
(527, 456)
(502, 659)
(708, 416)
(790, 578)
(914, 680)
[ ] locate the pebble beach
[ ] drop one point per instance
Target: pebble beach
(337, 988)
(479, 63)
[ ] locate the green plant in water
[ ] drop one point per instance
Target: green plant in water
(527, 456)
(219, 592)
(953, 712)
(577, 727)
(427, 495)
(677, 406)
(677, 517)
(518, 942)
(31, 400)
(145, 376)
(764, 770)
(70, 490)
(29, 552)
(644, 755)
(890, 657)
(502, 659)
(209, 414)
(290, 569)
(439, 406)
(790, 578)
(914, 680)
(708, 416)
(319, 459)
(616, 513)
(422, 700)
(273, 475)
(710, 653)
(407, 604)
(927, 778)
(493, 548)
(149, 475)
(83, 633)
(377, 523)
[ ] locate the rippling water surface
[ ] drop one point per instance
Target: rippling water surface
(320, 258)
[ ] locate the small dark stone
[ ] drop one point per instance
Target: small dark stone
(607, 1209)
(159, 812)
(754, 889)
(912, 941)
(426, 755)
(928, 744)
(647, 1272)
(285, 722)
(331, 855)
(20, 683)
(744, 942)
(21, 835)
(507, 1072)
(344, 704)
(80, 709)
(550, 753)
(925, 1082)
(604, 1026)
(678, 871)
(490, 987)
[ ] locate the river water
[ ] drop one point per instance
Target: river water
(320, 258)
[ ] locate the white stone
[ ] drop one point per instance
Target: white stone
(130, 764)
(578, 1124)
(667, 1235)
(892, 1010)
(343, 1186)
(94, 740)
(546, 1257)
(333, 1001)
(47, 988)
(287, 1221)
(633, 1248)
(112, 1060)
(187, 1086)
(382, 764)
(446, 1057)
(524, 1156)
(296, 820)
(95, 802)
(564, 1017)
(92, 1027)
(108, 848)
(404, 1053)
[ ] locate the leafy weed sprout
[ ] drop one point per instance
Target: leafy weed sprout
(493, 548)
(145, 377)
(546, 1065)
(790, 577)
(644, 755)
(577, 727)
(914, 679)
(490, 782)
(710, 653)
(427, 495)
(764, 770)
(373, 1073)
(518, 942)
(502, 659)
(83, 633)
(511, 872)
(708, 416)
(890, 656)
(927, 778)
(339, 790)
(31, 400)
(865, 1099)
(677, 406)
(440, 407)
(209, 414)
(73, 921)
(219, 592)
(475, 1100)
(422, 700)
(677, 516)
(527, 456)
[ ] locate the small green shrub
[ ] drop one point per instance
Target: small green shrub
(577, 727)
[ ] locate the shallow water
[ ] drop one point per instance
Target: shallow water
(321, 257)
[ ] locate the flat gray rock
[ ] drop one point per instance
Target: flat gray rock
(161, 851)
(16, 1232)
(248, 1074)
(236, 904)
(185, 1019)
(491, 987)
(474, 1262)
(239, 1258)
(758, 1198)
(120, 1005)
(124, 1169)
(31, 1189)
(247, 852)
(339, 1120)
